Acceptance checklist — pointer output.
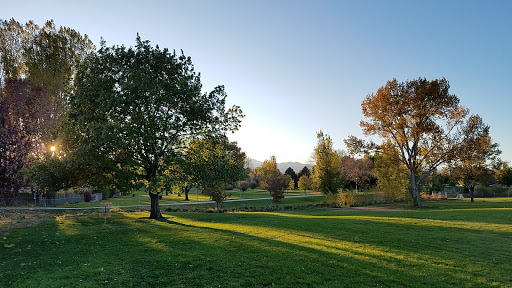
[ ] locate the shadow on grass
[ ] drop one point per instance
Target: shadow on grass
(239, 249)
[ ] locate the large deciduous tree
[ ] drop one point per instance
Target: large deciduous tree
(135, 109)
(423, 121)
(24, 124)
(473, 165)
(327, 175)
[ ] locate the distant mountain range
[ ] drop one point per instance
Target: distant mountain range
(296, 166)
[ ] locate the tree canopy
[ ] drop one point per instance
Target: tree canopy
(37, 70)
(474, 161)
(134, 111)
(272, 179)
(24, 123)
(213, 163)
(358, 171)
(289, 171)
(327, 175)
(423, 121)
(46, 55)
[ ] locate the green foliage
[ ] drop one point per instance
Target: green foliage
(327, 175)
(305, 183)
(331, 199)
(37, 67)
(212, 164)
(350, 198)
(392, 180)
(243, 185)
(304, 171)
(470, 175)
(503, 173)
(53, 174)
(436, 182)
(272, 180)
(46, 55)
(289, 171)
(134, 111)
(253, 185)
(476, 158)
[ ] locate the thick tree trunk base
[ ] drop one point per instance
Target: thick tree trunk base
(155, 206)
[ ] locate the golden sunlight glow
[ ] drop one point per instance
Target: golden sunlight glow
(52, 148)
(361, 251)
(412, 221)
(372, 254)
(68, 225)
(151, 242)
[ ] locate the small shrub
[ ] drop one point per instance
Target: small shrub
(331, 200)
(88, 196)
(433, 196)
(438, 195)
(425, 195)
(344, 199)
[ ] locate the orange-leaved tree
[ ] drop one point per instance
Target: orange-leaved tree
(423, 121)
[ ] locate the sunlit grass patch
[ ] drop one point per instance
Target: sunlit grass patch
(427, 247)
(485, 226)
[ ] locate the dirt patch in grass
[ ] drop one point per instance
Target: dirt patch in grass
(17, 219)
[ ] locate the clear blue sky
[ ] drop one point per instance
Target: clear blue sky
(296, 67)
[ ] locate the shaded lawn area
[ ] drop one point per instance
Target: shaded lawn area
(446, 244)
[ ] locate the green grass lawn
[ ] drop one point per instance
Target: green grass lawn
(444, 244)
(142, 198)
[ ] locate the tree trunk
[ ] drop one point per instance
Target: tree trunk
(155, 206)
(415, 190)
(471, 192)
(187, 189)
